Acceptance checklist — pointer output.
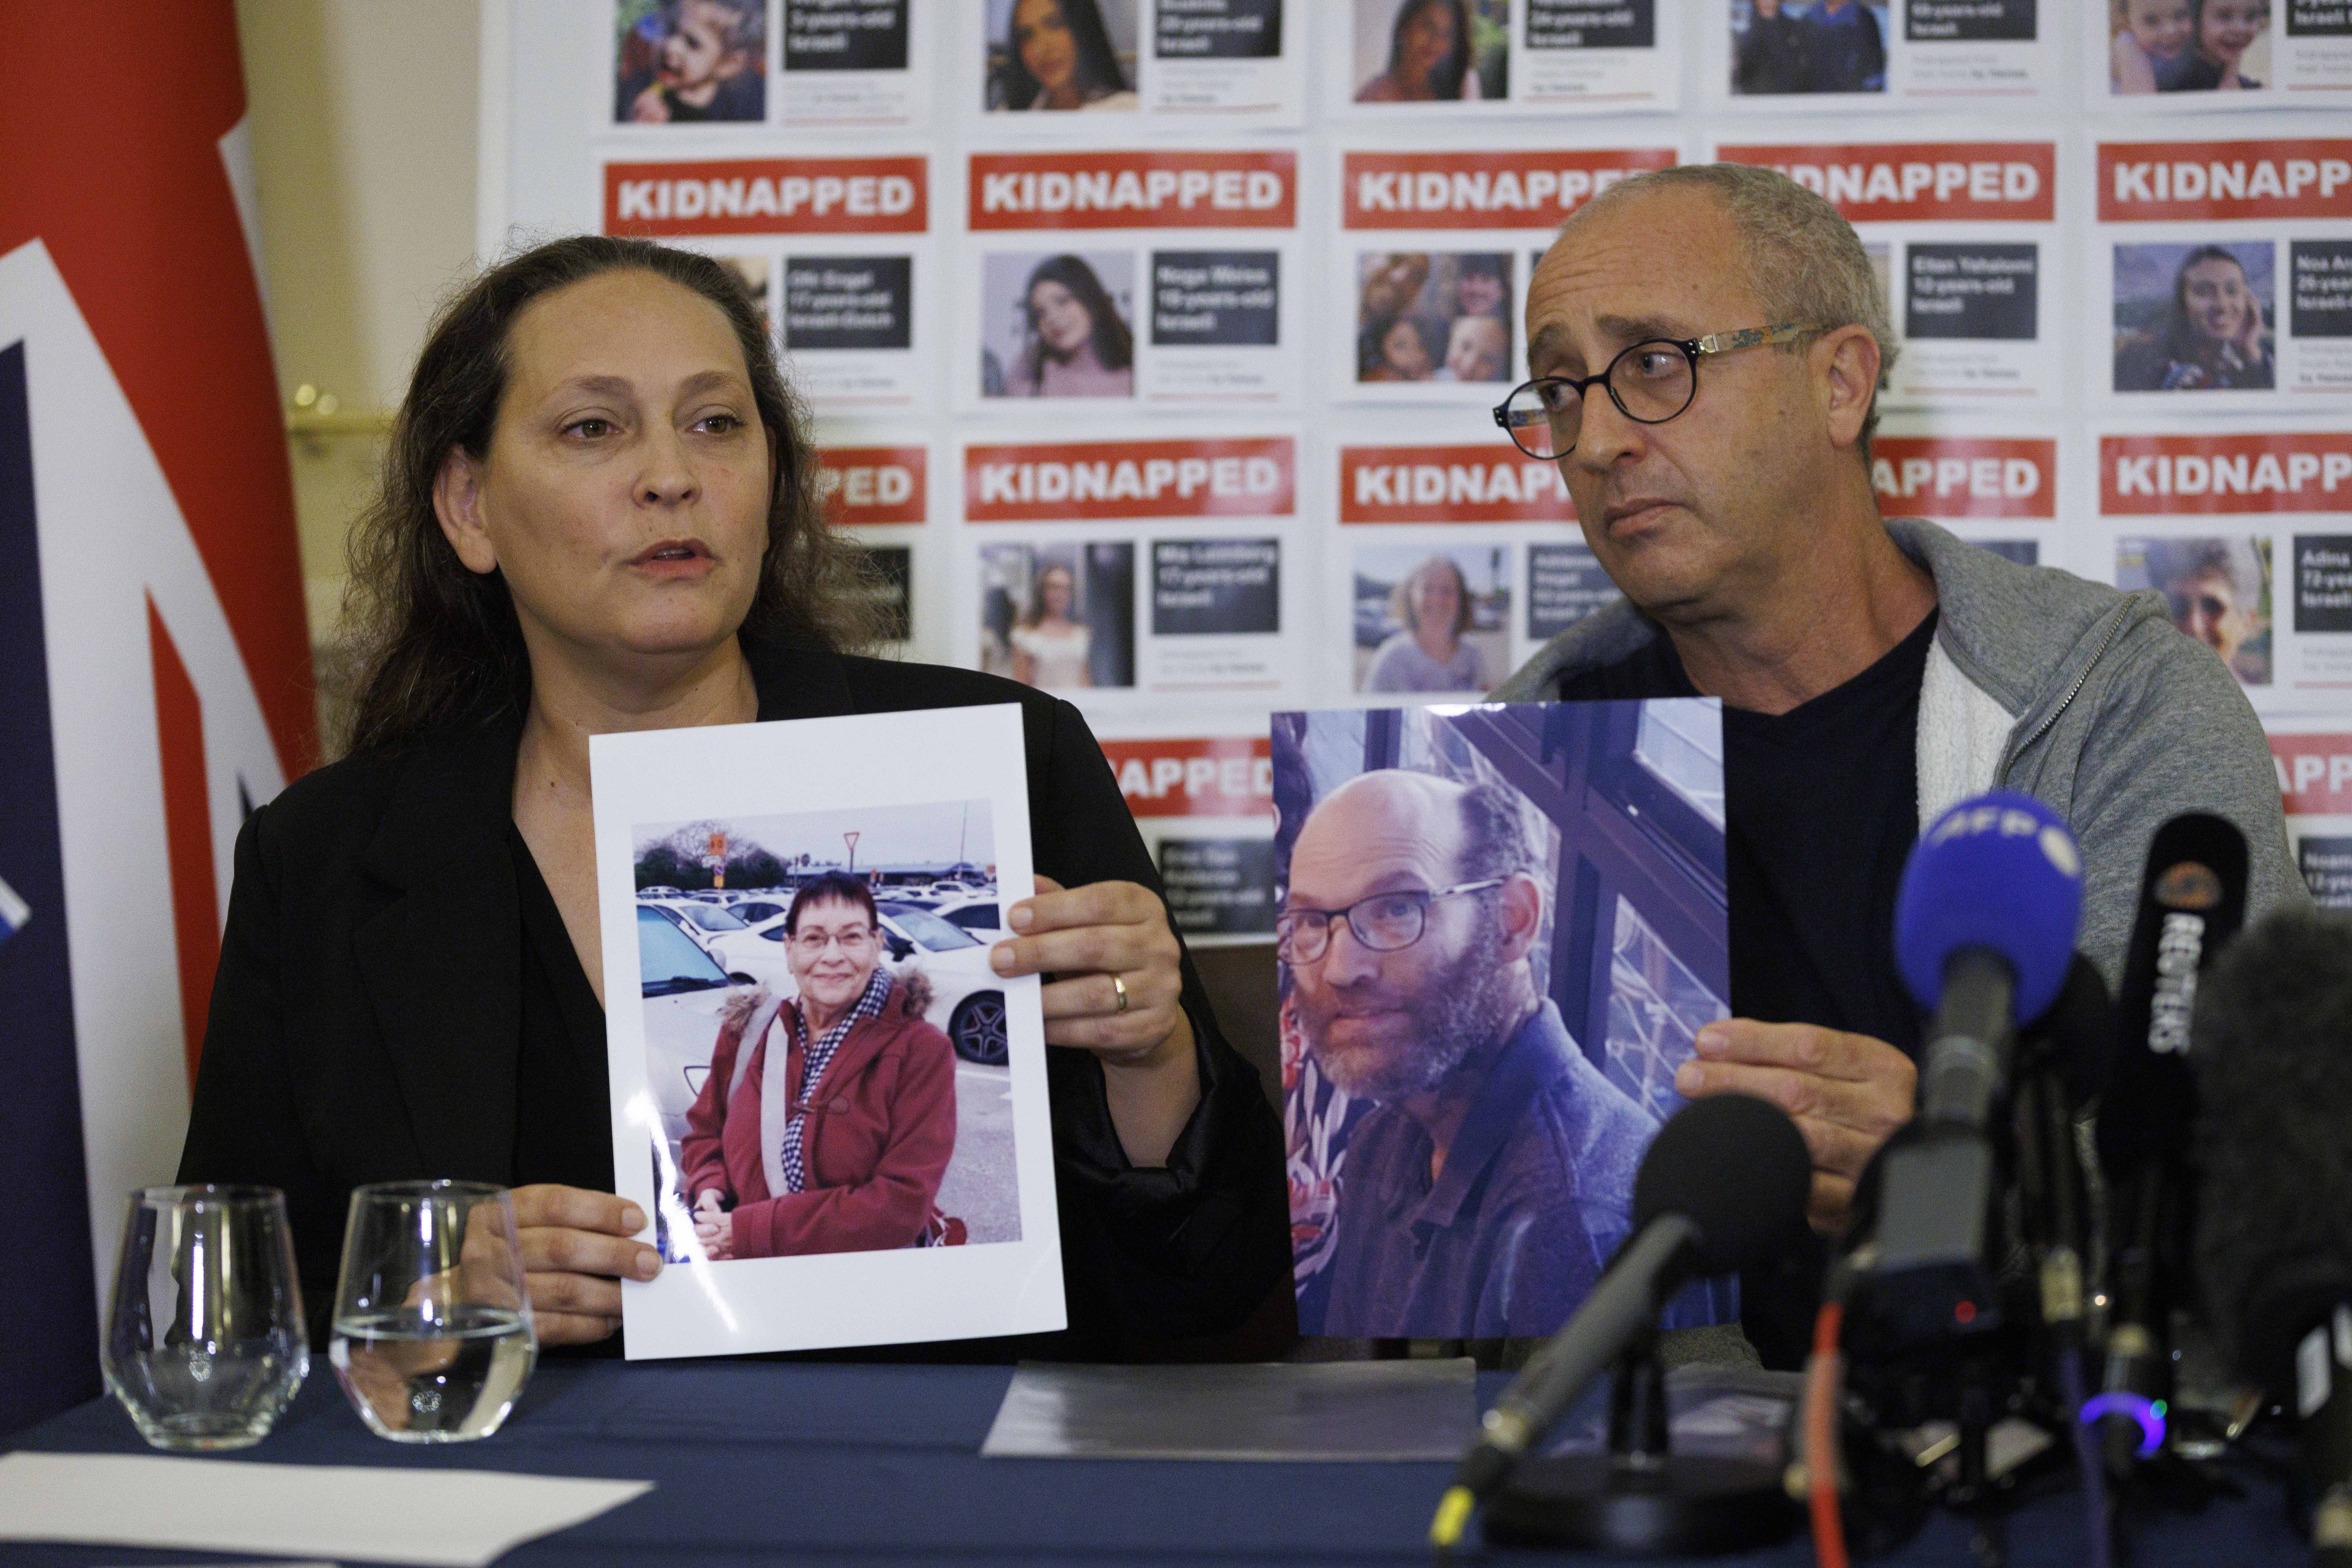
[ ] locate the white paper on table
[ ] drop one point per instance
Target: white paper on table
(458, 1518)
(947, 787)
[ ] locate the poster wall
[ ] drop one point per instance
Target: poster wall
(1152, 342)
(1202, 795)
(1129, 278)
(1962, 235)
(2314, 757)
(1438, 245)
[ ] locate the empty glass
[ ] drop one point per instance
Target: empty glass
(433, 1337)
(205, 1345)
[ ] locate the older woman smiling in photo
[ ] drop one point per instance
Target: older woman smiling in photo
(827, 1120)
(599, 514)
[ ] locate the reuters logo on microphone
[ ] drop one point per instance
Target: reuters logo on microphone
(2189, 886)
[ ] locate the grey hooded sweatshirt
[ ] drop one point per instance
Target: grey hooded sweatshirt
(2079, 695)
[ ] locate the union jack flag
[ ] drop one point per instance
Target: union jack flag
(154, 664)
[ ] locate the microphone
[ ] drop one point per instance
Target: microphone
(2273, 1053)
(2192, 900)
(1984, 937)
(1723, 1187)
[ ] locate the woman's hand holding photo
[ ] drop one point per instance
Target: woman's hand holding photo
(576, 1250)
(1116, 989)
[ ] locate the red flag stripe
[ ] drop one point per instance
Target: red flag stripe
(113, 161)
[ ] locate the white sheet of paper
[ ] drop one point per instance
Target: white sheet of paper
(461, 1519)
(926, 788)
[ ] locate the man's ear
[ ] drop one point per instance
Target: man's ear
(458, 503)
(1522, 912)
(1847, 360)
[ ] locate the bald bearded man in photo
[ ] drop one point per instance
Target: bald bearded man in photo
(1708, 344)
(1493, 1178)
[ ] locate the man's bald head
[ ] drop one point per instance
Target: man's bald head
(1413, 816)
(1800, 259)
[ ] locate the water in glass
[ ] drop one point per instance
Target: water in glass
(433, 1337)
(420, 1380)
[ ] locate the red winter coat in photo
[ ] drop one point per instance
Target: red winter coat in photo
(877, 1138)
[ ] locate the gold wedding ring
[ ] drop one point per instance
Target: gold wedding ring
(1120, 987)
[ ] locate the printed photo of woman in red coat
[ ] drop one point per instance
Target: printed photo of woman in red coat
(827, 1100)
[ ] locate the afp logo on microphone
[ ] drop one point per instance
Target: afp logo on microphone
(1992, 816)
(1999, 871)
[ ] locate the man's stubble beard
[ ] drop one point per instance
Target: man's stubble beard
(1467, 1006)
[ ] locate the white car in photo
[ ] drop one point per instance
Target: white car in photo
(705, 922)
(754, 908)
(684, 991)
(976, 912)
(967, 998)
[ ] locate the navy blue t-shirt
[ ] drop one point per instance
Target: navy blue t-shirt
(1821, 808)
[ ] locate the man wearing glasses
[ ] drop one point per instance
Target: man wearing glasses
(1708, 345)
(1493, 1177)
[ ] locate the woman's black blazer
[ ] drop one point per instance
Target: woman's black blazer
(365, 1017)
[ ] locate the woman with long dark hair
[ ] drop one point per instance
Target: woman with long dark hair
(2211, 338)
(1078, 345)
(1429, 54)
(598, 514)
(1060, 58)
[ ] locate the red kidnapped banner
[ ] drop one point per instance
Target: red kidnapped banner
(1921, 182)
(1230, 775)
(1083, 481)
(768, 195)
(2147, 181)
(1134, 190)
(1951, 475)
(1482, 190)
(2314, 773)
(1486, 482)
(2154, 476)
(873, 484)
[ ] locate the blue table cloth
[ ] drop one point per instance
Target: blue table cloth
(855, 1465)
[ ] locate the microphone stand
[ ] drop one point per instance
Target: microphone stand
(2054, 1193)
(1639, 1498)
(2008, 1342)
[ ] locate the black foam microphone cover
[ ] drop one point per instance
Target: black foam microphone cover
(2078, 1032)
(1737, 1169)
(2273, 1053)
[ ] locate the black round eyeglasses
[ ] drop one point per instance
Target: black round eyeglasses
(1650, 382)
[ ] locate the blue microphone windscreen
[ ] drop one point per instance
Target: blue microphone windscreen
(1998, 871)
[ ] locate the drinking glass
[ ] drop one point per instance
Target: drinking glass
(433, 1337)
(205, 1344)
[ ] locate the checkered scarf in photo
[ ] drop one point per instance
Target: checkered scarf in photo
(820, 1057)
